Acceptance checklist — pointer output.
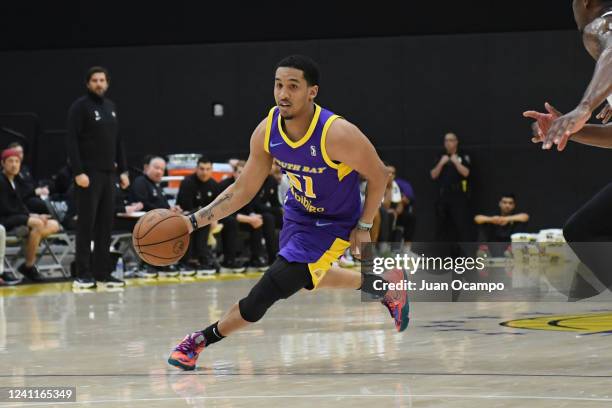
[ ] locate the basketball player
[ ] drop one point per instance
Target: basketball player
(592, 223)
(322, 155)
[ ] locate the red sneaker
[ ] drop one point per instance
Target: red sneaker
(186, 353)
(396, 301)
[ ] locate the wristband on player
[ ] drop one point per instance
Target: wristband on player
(193, 220)
(362, 226)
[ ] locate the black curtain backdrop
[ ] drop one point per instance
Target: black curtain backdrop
(404, 93)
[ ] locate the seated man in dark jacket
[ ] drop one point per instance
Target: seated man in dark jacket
(197, 191)
(147, 190)
(258, 225)
(14, 213)
(267, 198)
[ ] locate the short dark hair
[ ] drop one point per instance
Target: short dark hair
(155, 157)
(304, 64)
(508, 195)
(204, 160)
(96, 70)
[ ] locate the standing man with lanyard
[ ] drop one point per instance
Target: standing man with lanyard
(451, 172)
(95, 150)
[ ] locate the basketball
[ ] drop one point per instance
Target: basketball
(161, 237)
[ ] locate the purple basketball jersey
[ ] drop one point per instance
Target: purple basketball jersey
(323, 194)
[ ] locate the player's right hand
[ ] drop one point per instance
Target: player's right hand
(82, 180)
(357, 238)
(565, 126)
(543, 120)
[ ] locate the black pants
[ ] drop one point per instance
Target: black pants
(277, 213)
(230, 237)
(387, 221)
(452, 217)
(15, 220)
(589, 234)
(95, 205)
(199, 248)
(36, 205)
(407, 221)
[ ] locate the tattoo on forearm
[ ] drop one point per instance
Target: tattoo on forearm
(207, 212)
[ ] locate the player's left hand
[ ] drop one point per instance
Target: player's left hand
(543, 121)
(358, 237)
(563, 127)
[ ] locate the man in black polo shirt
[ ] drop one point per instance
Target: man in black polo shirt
(95, 151)
(499, 228)
(197, 191)
(451, 172)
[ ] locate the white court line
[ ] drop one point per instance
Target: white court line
(240, 397)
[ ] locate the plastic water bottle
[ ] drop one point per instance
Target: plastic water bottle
(119, 269)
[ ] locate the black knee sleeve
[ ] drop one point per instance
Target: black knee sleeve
(260, 298)
(280, 281)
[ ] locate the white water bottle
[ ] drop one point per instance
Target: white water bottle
(119, 269)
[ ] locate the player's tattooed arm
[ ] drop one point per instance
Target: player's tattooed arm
(598, 40)
(242, 191)
(206, 214)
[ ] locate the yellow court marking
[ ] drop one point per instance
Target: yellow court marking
(47, 289)
(583, 323)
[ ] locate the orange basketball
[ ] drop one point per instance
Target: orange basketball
(161, 237)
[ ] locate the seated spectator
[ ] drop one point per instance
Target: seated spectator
(197, 191)
(282, 182)
(36, 202)
(402, 209)
(61, 183)
(14, 213)
(266, 201)
(256, 224)
(147, 190)
(376, 223)
(61, 187)
(499, 228)
(392, 206)
(7, 278)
